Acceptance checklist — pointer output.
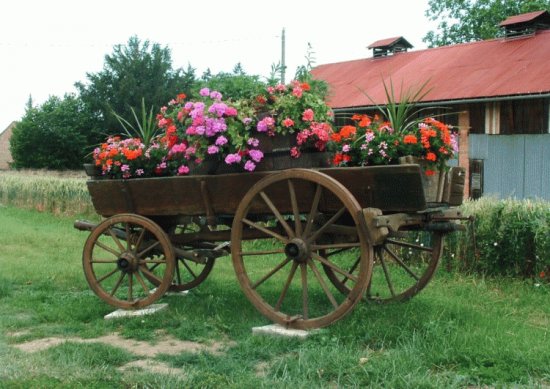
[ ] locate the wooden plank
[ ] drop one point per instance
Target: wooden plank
(391, 188)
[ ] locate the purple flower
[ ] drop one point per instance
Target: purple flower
(250, 166)
(346, 148)
(256, 155)
(213, 149)
(232, 158)
(215, 95)
(253, 142)
(124, 168)
(247, 121)
(204, 92)
(221, 140)
(140, 172)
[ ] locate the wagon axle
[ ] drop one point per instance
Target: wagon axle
(297, 250)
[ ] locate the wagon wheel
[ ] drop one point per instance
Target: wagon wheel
(188, 272)
(403, 266)
(280, 274)
(118, 255)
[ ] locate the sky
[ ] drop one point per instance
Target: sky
(48, 46)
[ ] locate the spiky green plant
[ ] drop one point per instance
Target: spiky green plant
(145, 127)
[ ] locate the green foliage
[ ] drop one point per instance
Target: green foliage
(236, 85)
(472, 20)
(507, 237)
(145, 128)
(55, 135)
(132, 72)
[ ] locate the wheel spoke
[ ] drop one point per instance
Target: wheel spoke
(140, 239)
(146, 250)
(334, 267)
(265, 230)
(178, 273)
(313, 210)
(116, 240)
(104, 277)
(323, 284)
(150, 275)
(352, 269)
(286, 286)
(295, 209)
(270, 273)
(122, 274)
(401, 263)
(189, 270)
(277, 214)
(107, 248)
(305, 302)
(130, 287)
(103, 261)
(142, 283)
(262, 252)
(386, 273)
(335, 217)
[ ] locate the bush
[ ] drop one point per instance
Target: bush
(507, 237)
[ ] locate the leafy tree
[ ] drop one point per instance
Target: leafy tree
(471, 20)
(54, 135)
(235, 85)
(133, 72)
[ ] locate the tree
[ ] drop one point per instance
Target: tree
(54, 135)
(131, 73)
(235, 85)
(472, 20)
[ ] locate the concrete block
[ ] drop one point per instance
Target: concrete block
(138, 312)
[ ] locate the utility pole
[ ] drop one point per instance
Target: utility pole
(283, 63)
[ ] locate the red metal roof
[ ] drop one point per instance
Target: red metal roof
(522, 18)
(387, 42)
(474, 70)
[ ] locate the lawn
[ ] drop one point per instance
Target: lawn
(461, 331)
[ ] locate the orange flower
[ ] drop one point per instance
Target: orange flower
(348, 131)
(305, 86)
(431, 157)
(410, 139)
(180, 97)
(429, 172)
(365, 121)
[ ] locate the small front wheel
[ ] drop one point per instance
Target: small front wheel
(118, 257)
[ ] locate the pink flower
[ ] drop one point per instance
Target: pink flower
(183, 170)
(204, 92)
(288, 122)
(221, 140)
(232, 158)
(307, 115)
(297, 92)
(294, 152)
(253, 142)
(213, 149)
(256, 155)
(250, 166)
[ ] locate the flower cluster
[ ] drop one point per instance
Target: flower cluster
(211, 129)
(295, 108)
(128, 158)
(372, 141)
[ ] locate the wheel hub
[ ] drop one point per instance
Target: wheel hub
(297, 250)
(127, 262)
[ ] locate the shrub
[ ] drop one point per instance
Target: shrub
(507, 237)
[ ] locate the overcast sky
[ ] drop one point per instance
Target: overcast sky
(47, 46)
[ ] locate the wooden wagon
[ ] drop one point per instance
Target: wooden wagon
(306, 244)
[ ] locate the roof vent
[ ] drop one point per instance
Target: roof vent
(525, 24)
(385, 47)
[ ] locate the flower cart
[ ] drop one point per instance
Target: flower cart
(306, 244)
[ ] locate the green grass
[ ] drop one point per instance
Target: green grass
(461, 331)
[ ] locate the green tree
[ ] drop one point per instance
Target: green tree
(55, 135)
(133, 72)
(235, 85)
(472, 20)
